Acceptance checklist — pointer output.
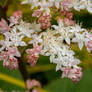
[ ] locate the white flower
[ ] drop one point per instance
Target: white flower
(25, 29)
(35, 39)
(80, 39)
(13, 21)
(55, 2)
(59, 53)
(82, 4)
(63, 31)
(5, 44)
(16, 37)
(44, 5)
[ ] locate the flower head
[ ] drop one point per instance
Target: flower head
(11, 63)
(33, 54)
(45, 21)
(74, 74)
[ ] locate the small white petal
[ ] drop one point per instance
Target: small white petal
(67, 39)
(80, 44)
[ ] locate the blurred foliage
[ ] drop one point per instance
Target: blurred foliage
(2, 2)
(44, 71)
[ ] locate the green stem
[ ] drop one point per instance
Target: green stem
(22, 68)
(22, 65)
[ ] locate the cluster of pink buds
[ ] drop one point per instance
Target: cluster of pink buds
(74, 74)
(32, 83)
(68, 18)
(11, 63)
(3, 26)
(17, 14)
(45, 21)
(33, 54)
(8, 58)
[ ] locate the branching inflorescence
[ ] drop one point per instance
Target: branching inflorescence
(53, 40)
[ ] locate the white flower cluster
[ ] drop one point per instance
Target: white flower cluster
(82, 4)
(45, 5)
(47, 39)
(56, 44)
(14, 37)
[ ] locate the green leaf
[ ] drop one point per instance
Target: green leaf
(11, 80)
(66, 85)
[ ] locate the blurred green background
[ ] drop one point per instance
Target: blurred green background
(44, 71)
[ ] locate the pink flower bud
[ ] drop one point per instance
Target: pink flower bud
(11, 63)
(77, 75)
(32, 83)
(4, 56)
(63, 13)
(17, 14)
(69, 15)
(35, 90)
(74, 74)
(45, 21)
(68, 22)
(33, 54)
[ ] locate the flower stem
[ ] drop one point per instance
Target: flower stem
(22, 68)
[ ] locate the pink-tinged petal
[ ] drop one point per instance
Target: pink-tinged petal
(37, 48)
(4, 56)
(3, 26)
(37, 13)
(66, 72)
(89, 46)
(66, 4)
(14, 51)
